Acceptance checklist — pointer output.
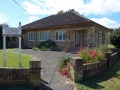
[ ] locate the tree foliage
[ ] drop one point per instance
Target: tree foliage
(115, 37)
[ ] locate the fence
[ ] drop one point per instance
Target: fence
(79, 70)
(22, 76)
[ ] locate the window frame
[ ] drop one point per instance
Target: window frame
(44, 35)
(30, 37)
(57, 38)
(100, 35)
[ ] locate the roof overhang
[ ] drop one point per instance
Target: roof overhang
(75, 25)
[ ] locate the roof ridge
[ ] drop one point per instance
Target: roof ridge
(68, 17)
(80, 15)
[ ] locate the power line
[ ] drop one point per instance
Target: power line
(22, 8)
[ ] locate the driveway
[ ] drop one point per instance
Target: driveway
(49, 63)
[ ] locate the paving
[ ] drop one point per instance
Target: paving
(51, 79)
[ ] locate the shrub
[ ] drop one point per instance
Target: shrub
(104, 48)
(35, 48)
(44, 49)
(90, 55)
(115, 38)
(47, 45)
(64, 66)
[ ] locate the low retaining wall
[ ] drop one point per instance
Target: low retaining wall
(22, 76)
(79, 70)
(94, 68)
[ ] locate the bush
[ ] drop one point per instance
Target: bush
(35, 48)
(104, 48)
(47, 45)
(64, 67)
(115, 38)
(90, 55)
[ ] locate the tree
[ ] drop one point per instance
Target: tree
(115, 38)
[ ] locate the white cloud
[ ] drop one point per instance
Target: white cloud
(94, 7)
(31, 19)
(97, 7)
(107, 22)
(3, 19)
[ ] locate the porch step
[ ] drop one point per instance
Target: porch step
(73, 50)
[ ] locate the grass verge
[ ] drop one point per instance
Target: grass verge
(12, 59)
(107, 81)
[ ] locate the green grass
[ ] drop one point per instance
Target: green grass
(107, 81)
(12, 59)
(110, 46)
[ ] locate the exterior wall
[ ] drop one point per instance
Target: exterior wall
(85, 38)
(29, 43)
(104, 36)
(91, 36)
(68, 43)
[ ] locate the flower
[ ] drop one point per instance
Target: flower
(90, 55)
(77, 54)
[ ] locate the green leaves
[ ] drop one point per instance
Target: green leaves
(115, 38)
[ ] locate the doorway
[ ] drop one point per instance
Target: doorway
(79, 38)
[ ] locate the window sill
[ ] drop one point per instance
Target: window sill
(31, 40)
(42, 40)
(59, 40)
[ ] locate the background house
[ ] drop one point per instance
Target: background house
(68, 29)
(10, 41)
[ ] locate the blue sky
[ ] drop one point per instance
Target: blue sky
(105, 12)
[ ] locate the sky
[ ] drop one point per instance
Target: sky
(104, 12)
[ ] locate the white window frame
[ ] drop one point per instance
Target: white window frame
(30, 37)
(100, 35)
(44, 36)
(63, 33)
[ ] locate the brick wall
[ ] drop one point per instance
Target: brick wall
(79, 71)
(90, 38)
(22, 76)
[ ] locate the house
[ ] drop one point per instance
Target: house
(68, 29)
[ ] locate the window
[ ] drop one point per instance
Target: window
(60, 35)
(31, 36)
(100, 35)
(43, 36)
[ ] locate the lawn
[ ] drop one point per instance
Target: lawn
(107, 81)
(110, 46)
(12, 59)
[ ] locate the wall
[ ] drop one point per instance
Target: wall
(29, 43)
(68, 43)
(22, 76)
(93, 37)
(80, 71)
(90, 37)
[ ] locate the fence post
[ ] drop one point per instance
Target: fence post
(108, 56)
(76, 68)
(35, 72)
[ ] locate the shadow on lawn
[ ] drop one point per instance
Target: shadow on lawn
(43, 86)
(93, 81)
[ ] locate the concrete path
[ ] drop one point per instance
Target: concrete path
(49, 62)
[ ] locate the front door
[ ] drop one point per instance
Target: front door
(79, 38)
